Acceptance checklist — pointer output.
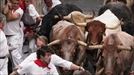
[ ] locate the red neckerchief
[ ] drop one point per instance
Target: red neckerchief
(41, 64)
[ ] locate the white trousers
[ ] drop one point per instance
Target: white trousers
(3, 66)
(15, 43)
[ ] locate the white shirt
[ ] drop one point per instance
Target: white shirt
(33, 69)
(56, 60)
(55, 2)
(3, 44)
(13, 27)
(32, 11)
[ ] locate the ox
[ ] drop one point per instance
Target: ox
(116, 54)
(122, 12)
(105, 24)
(79, 19)
(67, 38)
(49, 20)
(99, 27)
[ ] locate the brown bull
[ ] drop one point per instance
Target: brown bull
(68, 37)
(117, 54)
(99, 28)
(96, 30)
(102, 26)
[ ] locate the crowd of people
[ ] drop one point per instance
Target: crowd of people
(14, 36)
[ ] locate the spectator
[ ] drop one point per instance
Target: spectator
(45, 64)
(38, 43)
(14, 31)
(32, 11)
(49, 4)
(4, 52)
(29, 30)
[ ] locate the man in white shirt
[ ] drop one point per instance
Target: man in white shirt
(49, 4)
(45, 64)
(32, 11)
(3, 49)
(14, 31)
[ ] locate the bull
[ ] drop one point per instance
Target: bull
(116, 54)
(69, 37)
(102, 26)
(122, 12)
(97, 30)
(49, 20)
(66, 38)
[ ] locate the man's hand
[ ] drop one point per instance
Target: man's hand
(81, 68)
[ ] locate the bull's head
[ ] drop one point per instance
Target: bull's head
(69, 47)
(96, 30)
(110, 59)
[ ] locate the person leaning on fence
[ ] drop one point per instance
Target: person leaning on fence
(4, 52)
(45, 64)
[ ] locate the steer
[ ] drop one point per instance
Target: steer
(102, 26)
(67, 38)
(122, 12)
(116, 54)
(98, 28)
(49, 20)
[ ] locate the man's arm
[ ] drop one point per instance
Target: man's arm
(76, 67)
(58, 61)
(14, 73)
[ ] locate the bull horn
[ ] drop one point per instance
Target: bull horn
(95, 46)
(64, 17)
(124, 48)
(79, 24)
(67, 17)
(82, 43)
(112, 27)
(53, 42)
(100, 71)
(56, 16)
(121, 21)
